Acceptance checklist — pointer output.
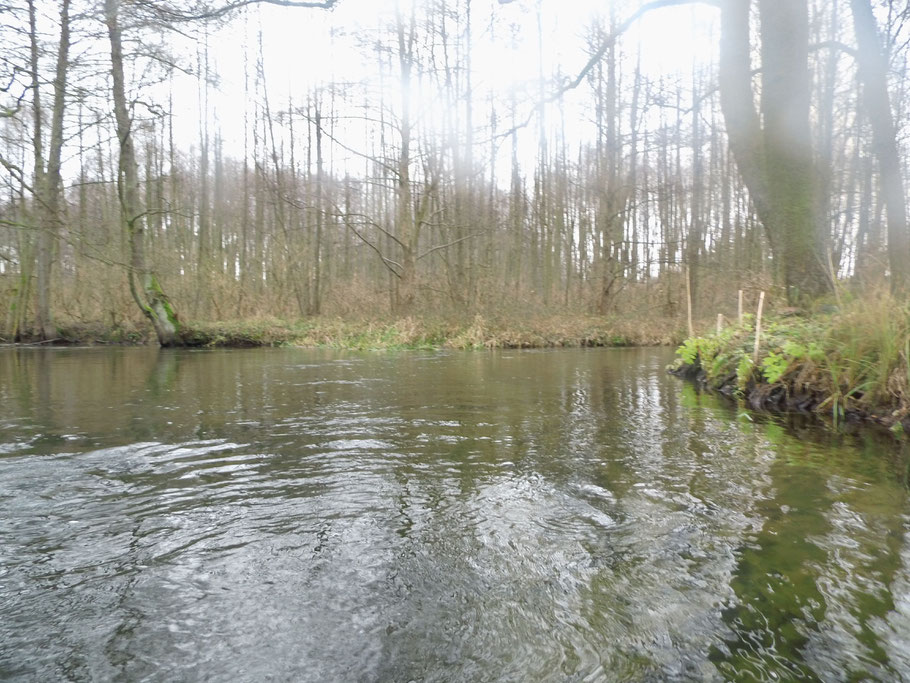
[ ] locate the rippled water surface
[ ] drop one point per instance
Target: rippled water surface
(517, 516)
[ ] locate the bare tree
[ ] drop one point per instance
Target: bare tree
(144, 286)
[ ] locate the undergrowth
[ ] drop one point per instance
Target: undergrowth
(855, 359)
(414, 332)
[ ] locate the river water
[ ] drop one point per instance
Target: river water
(296, 515)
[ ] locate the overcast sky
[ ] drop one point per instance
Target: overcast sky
(306, 48)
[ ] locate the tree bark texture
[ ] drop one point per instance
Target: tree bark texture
(774, 152)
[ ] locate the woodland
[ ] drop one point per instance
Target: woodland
(425, 190)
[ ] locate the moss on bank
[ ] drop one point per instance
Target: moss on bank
(850, 364)
(399, 333)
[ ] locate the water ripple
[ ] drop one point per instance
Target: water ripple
(574, 516)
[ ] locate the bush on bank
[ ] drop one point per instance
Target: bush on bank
(852, 363)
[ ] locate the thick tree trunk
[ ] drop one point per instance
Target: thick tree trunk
(775, 159)
(48, 183)
(53, 178)
(790, 170)
(873, 72)
(144, 286)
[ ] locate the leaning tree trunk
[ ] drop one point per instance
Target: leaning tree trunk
(144, 286)
(738, 106)
(873, 72)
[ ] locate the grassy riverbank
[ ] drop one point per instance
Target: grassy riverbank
(850, 364)
(478, 332)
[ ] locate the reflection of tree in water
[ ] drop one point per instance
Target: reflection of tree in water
(460, 516)
(683, 490)
(491, 531)
(814, 581)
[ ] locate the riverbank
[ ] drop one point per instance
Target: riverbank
(410, 332)
(851, 364)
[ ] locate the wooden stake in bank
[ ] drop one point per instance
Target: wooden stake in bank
(689, 301)
(761, 305)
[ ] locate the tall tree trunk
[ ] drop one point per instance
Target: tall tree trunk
(789, 165)
(316, 288)
(612, 227)
(738, 105)
(696, 224)
(47, 178)
(873, 72)
(144, 286)
(775, 160)
(408, 228)
(42, 308)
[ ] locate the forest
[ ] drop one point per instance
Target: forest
(469, 162)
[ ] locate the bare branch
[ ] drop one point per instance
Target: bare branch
(387, 262)
(202, 12)
(450, 244)
(14, 224)
(388, 167)
(833, 45)
(7, 112)
(607, 43)
(17, 173)
(366, 221)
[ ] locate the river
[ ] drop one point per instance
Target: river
(297, 515)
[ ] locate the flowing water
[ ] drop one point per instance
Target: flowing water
(296, 515)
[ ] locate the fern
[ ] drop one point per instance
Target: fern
(774, 365)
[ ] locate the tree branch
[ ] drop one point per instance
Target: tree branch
(202, 12)
(14, 224)
(607, 43)
(450, 244)
(834, 45)
(387, 262)
(17, 173)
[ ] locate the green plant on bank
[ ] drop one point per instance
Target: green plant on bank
(790, 354)
(855, 358)
(721, 355)
(867, 350)
(773, 366)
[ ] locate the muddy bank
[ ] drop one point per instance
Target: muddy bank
(786, 398)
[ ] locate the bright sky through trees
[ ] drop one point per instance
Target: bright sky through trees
(302, 50)
(462, 154)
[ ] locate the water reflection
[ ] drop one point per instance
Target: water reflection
(573, 515)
